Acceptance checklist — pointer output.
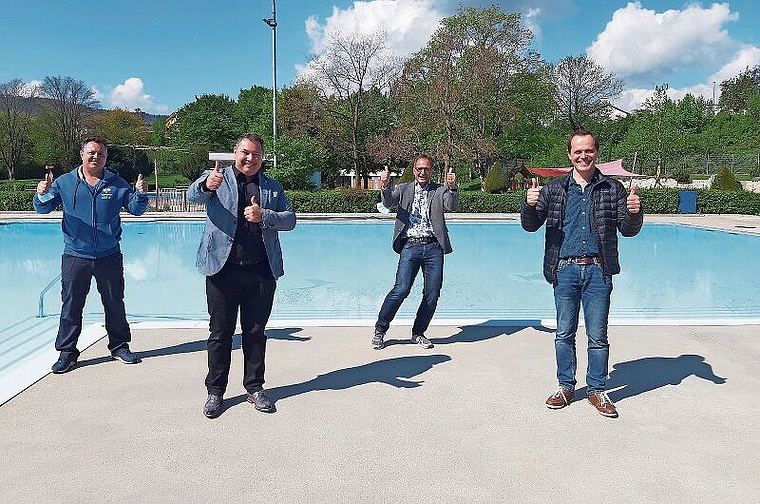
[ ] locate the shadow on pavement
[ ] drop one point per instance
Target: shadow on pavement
(397, 372)
(631, 378)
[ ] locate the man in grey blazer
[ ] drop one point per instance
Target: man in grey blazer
(241, 258)
(421, 239)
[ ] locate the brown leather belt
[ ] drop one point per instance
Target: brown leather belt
(584, 260)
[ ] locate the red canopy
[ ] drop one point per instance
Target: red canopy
(613, 168)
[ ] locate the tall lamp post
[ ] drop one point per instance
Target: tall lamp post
(272, 22)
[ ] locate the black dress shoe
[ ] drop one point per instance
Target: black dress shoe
(261, 402)
(213, 406)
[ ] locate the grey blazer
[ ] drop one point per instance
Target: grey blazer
(442, 200)
(221, 220)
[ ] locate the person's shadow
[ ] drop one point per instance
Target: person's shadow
(284, 334)
(635, 377)
(397, 372)
(478, 332)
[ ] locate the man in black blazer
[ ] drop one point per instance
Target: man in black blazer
(421, 239)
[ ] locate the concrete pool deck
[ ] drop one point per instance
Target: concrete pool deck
(462, 422)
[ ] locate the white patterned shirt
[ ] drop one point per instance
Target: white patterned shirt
(419, 219)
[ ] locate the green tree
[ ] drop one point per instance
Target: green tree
(726, 181)
(735, 93)
(583, 89)
(120, 127)
(496, 180)
(343, 73)
(14, 123)
(210, 123)
(254, 111)
(459, 92)
(297, 159)
(71, 103)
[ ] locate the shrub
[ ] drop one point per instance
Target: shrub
(659, 201)
(496, 180)
(682, 175)
(726, 181)
(408, 174)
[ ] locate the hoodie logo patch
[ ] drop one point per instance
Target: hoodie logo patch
(106, 193)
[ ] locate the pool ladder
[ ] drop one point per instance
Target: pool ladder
(41, 302)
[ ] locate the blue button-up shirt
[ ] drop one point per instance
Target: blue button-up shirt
(578, 237)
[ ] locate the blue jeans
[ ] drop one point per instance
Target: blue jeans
(413, 257)
(76, 276)
(585, 286)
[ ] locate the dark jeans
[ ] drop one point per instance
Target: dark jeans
(413, 257)
(250, 288)
(585, 286)
(76, 276)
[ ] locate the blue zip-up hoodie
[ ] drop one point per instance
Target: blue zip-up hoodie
(91, 223)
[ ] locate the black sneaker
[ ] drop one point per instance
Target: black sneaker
(377, 341)
(421, 341)
(261, 401)
(213, 406)
(124, 355)
(64, 364)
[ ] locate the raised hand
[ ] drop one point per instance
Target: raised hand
(633, 202)
(215, 179)
(385, 177)
(253, 213)
(532, 197)
(141, 185)
(451, 179)
(44, 185)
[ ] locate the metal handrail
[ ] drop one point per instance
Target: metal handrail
(41, 303)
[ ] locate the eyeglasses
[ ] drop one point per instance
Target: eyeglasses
(422, 169)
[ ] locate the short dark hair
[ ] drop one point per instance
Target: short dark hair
(424, 156)
(251, 137)
(581, 132)
(97, 141)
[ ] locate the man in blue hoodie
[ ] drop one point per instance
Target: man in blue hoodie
(91, 197)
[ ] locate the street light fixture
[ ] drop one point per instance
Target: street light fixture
(272, 22)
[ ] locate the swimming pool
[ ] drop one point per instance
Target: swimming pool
(342, 271)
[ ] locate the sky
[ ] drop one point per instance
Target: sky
(160, 55)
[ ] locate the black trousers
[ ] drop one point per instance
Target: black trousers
(76, 277)
(251, 289)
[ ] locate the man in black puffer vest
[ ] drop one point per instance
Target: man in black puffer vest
(583, 212)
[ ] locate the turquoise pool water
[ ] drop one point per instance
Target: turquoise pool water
(343, 270)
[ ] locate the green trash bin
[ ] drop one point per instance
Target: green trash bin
(687, 201)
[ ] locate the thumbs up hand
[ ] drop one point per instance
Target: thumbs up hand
(385, 177)
(451, 179)
(44, 185)
(215, 179)
(532, 197)
(253, 213)
(633, 202)
(141, 185)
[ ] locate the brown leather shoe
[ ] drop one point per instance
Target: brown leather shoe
(603, 405)
(561, 398)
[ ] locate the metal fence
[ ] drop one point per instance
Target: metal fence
(173, 199)
(708, 164)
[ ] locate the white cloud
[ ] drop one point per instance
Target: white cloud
(130, 95)
(33, 88)
(746, 57)
(530, 19)
(642, 45)
(408, 24)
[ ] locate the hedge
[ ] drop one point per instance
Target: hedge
(655, 201)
